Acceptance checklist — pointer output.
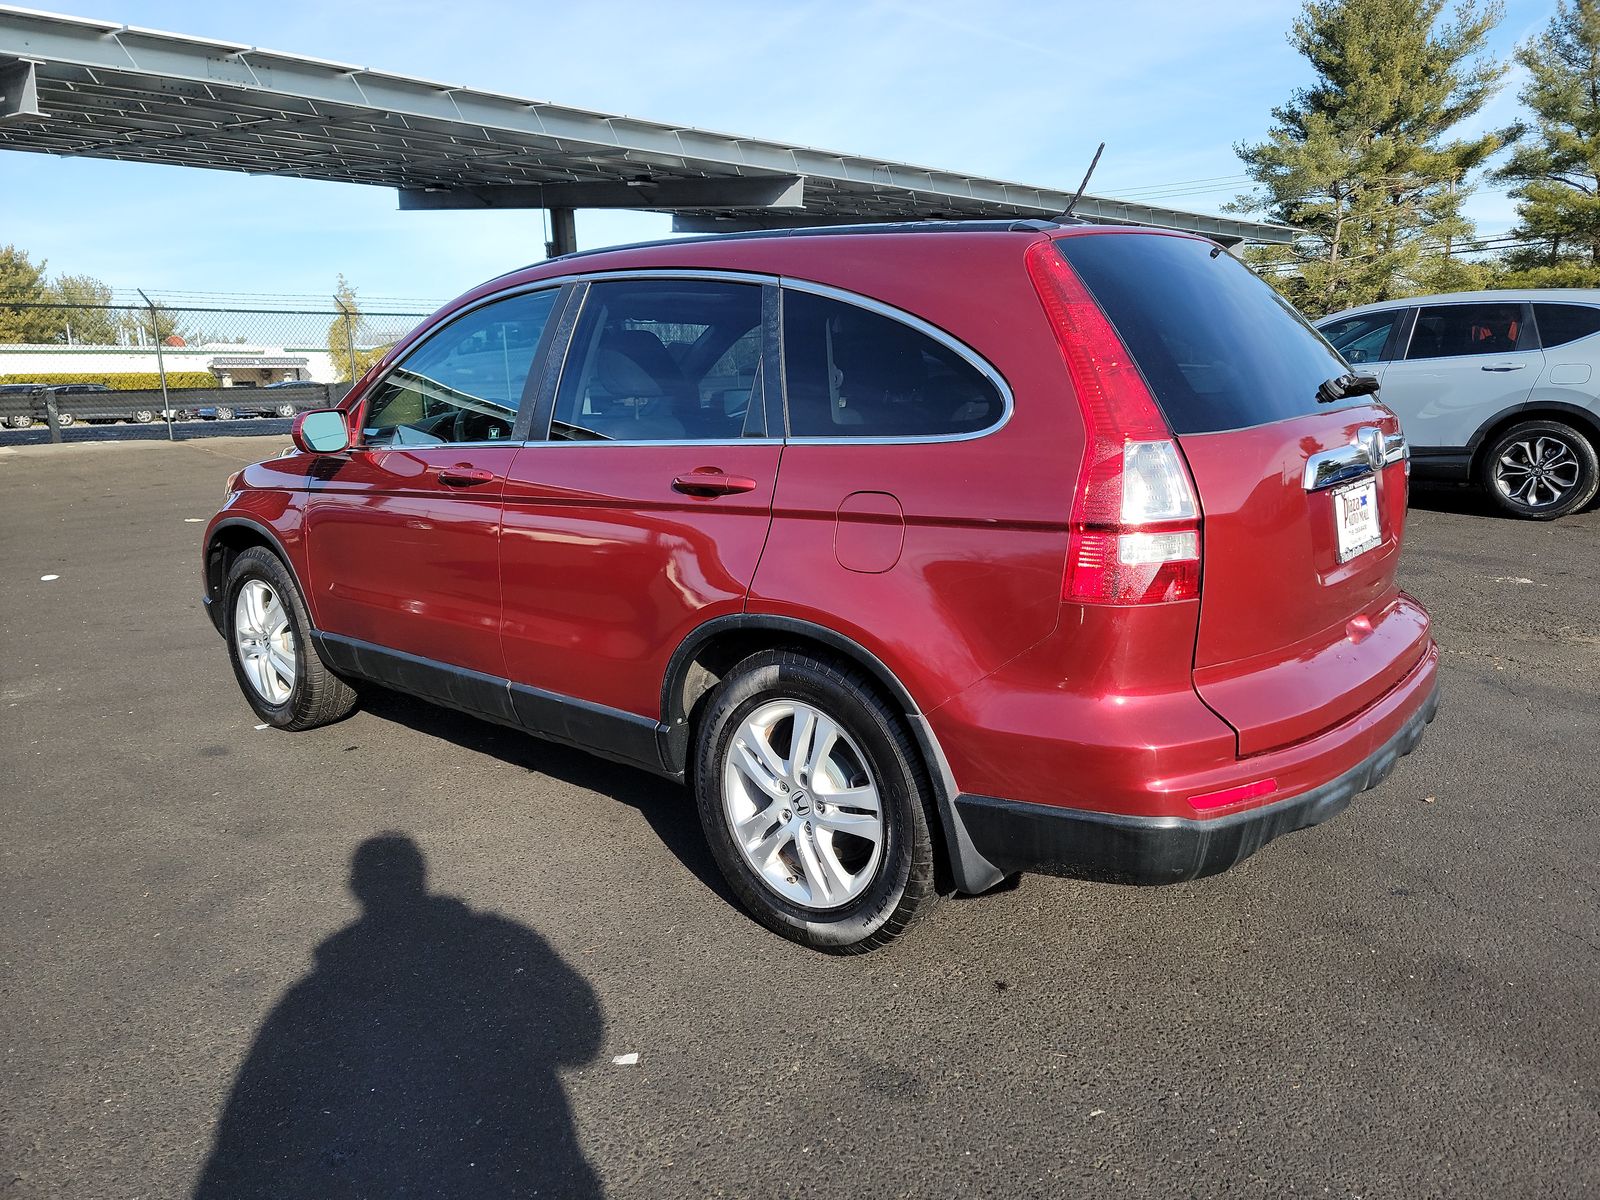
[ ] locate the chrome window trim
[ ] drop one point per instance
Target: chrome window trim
(933, 332)
(714, 275)
(680, 442)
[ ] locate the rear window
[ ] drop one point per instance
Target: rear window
(1219, 348)
(1563, 323)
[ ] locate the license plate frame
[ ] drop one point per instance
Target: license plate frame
(1357, 523)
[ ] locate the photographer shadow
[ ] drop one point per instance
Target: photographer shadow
(420, 1057)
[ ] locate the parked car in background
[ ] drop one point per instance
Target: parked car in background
(282, 399)
(95, 403)
(923, 554)
(16, 404)
(1494, 388)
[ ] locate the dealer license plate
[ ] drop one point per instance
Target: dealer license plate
(1355, 517)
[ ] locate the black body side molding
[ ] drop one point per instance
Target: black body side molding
(609, 732)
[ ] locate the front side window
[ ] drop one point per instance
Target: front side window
(658, 360)
(1361, 339)
(1451, 330)
(851, 372)
(1563, 323)
(465, 383)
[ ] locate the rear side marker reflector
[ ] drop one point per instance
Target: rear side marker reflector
(1233, 795)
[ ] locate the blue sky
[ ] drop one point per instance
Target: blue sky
(1010, 90)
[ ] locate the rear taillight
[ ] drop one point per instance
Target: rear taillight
(1135, 523)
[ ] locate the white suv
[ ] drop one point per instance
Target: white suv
(1496, 388)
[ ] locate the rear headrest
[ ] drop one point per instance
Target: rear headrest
(633, 362)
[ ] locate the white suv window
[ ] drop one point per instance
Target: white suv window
(1361, 339)
(1452, 330)
(1563, 323)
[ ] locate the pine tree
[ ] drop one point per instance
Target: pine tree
(1362, 161)
(1555, 163)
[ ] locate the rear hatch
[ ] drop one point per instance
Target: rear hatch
(1303, 503)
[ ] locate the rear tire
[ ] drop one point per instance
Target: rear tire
(143, 416)
(815, 802)
(269, 643)
(283, 410)
(20, 422)
(1540, 470)
(224, 413)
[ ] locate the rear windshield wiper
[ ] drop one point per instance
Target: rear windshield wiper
(1341, 387)
(576, 433)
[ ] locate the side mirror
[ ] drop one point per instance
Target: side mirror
(320, 431)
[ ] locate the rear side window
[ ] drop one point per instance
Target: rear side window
(1219, 348)
(851, 372)
(1361, 339)
(1454, 330)
(663, 361)
(1563, 323)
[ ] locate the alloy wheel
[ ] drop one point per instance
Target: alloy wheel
(264, 641)
(1537, 471)
(802, 805)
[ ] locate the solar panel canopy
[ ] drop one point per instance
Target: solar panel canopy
(84, 88)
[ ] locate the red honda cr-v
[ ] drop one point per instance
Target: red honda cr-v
(925, 555)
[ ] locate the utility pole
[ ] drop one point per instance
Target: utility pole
(161, 362)
(349, 335)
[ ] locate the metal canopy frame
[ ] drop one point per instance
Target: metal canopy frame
(85, 88)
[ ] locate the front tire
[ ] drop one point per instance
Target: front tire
(283, 410)
(814, 801)
(223, 413)
(277, 665)
(1541, 470)
(143, 416)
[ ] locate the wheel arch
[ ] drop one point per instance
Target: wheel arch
(229, 538)
(713, 649)
(1586, 421)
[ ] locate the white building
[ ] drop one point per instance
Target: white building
(231, 364)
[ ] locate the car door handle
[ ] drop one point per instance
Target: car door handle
(464, 476)
(1506, 367)
(708, 481)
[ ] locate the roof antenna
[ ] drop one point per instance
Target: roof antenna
(1066, 213)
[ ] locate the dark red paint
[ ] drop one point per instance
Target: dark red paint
(580, 567)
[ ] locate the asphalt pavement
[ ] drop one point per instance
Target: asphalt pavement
(223, 973)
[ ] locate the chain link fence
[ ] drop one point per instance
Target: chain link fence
(64, 365)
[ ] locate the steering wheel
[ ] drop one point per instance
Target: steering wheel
(469, 426)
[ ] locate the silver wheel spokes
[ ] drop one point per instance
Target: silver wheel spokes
(1537, 471)
(802, 805)
(264, 641)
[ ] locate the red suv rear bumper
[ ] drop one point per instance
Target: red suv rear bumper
(1154, 849)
